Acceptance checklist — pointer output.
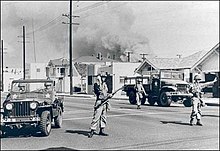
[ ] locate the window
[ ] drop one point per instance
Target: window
(62, 71)
(38, 69)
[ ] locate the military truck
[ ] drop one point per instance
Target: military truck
(32, 103)
(162, 87)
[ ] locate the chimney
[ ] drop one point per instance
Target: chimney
(99, 56)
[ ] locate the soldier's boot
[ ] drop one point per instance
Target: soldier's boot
(138, 107)
(91, 134)
(101, 132)
(199, 123)
(191, 122)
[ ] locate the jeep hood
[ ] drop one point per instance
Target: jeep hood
(30, 99)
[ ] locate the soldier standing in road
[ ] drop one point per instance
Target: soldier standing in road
(196, 99)
(139, 93)
(99, 116)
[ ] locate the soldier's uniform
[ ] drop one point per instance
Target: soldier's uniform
(196, 104)
(196, 90)
(139, 93)
(99, 116)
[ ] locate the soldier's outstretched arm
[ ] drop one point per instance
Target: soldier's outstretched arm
(203, 85)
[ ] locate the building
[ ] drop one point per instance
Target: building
(58, 70)
(35, 71)
(205, 62)
(10, 74)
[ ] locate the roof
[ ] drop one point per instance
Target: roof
(92, 59)
(32, 80)
(58, 62)
(178, 63)
(189, 61)
(165, 63)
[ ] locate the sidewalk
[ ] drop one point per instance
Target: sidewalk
(212, 101)
(208, 101)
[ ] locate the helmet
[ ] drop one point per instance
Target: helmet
(197, 77)
(99, 78)
(139, 80)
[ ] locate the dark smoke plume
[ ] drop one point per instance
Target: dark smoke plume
(105, 28)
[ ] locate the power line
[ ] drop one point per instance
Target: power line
(58, 18)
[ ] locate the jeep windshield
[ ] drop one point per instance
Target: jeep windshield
(29, 89)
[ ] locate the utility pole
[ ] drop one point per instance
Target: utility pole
(179, 55)
(128, 55)
(23, 52)
(2, 85)
(143, 55)
(70, 45)
(70, 51)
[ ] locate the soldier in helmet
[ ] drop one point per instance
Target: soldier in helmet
(197, 102)
(139, 93)
(99, 116)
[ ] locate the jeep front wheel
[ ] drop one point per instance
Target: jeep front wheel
(58, 119)
(187, 102)
(164, 100)
(132, 97)
(45, 123)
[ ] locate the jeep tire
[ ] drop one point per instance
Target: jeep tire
(58, 119)
(187, 102)
(164, 100)
(45, 123)
(132, 97)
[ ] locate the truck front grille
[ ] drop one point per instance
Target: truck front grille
(21, 109)
(182, 87)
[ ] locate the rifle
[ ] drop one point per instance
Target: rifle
(105, 100)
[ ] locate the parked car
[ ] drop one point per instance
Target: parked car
(32, 103)
(162, 87)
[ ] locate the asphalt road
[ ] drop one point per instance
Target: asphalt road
(152, 127)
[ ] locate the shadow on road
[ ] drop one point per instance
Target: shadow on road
(174, 122)
(59, 148)
(128, 107)
(80, 132)
(211, 116)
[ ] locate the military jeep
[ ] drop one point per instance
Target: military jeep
(32, 103)
(162, 87)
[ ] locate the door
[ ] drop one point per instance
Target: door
(155, 87)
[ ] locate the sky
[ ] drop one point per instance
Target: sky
(157, 28)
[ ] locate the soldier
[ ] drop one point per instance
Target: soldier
(139, 93)
(196, 99)
(99, 116)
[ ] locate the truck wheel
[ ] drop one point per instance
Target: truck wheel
(151, 100)
(58, 119)
(143, 100)
(45, 123)
(164, 100)
(132, 97)
(187, 102)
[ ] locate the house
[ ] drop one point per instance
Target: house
(35, 71)
(89, 67)
(83, 66)
(205, 62)
(58, 70)
(117, 71)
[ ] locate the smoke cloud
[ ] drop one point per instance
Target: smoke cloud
(105, 28)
